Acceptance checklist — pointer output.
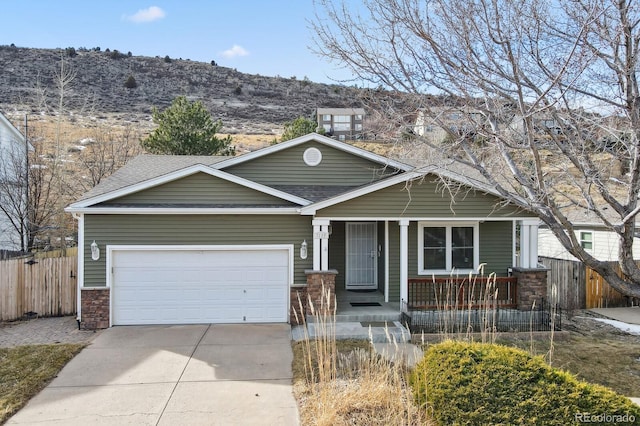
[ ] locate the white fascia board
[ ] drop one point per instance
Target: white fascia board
(187, 172)
(385, 183)
(14, 130)
(422, 218)
(434, 170)
(316, 138)
(183, 210)
(444, 173)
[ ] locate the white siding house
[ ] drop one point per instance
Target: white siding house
(12, 156)
(600, 243)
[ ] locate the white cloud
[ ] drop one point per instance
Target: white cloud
(149, 14)
(235, 51)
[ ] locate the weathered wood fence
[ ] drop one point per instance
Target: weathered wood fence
(599, 294)
(579, 287)
(46, 287)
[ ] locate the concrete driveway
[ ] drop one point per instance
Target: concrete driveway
(167, 375)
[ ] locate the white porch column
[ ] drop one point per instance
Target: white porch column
(524, 245)
(321, 244)
(324, 247)
(404, 261)
(533, 245)
(529, 243)
(316, 247)
(386, 261)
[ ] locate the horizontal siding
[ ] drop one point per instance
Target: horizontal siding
(495, 251)
(605, 245)
(496, 247)
(194, 229)
(423, 198)
(200, 188)
(288, 168)
(337, 252)
(394, 262)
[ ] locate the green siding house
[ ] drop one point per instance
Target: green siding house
(197, 239)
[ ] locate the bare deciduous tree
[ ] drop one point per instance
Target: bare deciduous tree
(29, 213)
(546, 91)
(13, 197)
(43, 195)
(106, 153)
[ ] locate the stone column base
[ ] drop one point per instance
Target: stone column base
(95, 308)
(532, 286)
(321, 291)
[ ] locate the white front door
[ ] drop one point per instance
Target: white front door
(362, 256)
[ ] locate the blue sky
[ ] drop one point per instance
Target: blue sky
(266, 37)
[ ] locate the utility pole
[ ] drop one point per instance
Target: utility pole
(27, 219)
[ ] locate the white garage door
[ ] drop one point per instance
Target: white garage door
(199, 286)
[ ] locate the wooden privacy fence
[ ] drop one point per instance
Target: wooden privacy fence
(578, 287)
(599, 294)
(47, 287)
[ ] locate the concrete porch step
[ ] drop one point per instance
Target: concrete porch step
(377, 332)
(368, 316)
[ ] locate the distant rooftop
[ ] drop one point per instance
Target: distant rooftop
(341, 111)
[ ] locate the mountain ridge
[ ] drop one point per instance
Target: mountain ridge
(30, 80)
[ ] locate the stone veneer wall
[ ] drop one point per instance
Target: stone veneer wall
(320, 291)
(532, 286)
(95, 308)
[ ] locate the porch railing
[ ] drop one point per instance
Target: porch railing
(474, 292)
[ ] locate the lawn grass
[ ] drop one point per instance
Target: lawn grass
(603, 358)
(612, 361)
(25, 370)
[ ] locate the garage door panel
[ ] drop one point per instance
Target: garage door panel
(199, 286)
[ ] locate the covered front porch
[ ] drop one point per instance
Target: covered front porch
(380, 266)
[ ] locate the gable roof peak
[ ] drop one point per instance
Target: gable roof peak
(318, 138)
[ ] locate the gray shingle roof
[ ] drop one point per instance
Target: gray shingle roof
(314, 193)
(145, 167)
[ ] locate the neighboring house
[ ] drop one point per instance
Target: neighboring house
(438, 124)
(13, 160)
(184, 239)
(593, 237)
(342, 123)
(545, 127)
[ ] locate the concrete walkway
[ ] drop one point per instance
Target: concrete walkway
(167, 375)
(629, 315)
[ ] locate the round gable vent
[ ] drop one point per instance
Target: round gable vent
(312, 156)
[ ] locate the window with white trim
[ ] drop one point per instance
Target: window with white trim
(447, 246)
(586, 240)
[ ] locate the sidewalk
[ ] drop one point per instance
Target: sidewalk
(629, 315)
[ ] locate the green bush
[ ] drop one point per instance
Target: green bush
(131, 82)
(476, 383)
